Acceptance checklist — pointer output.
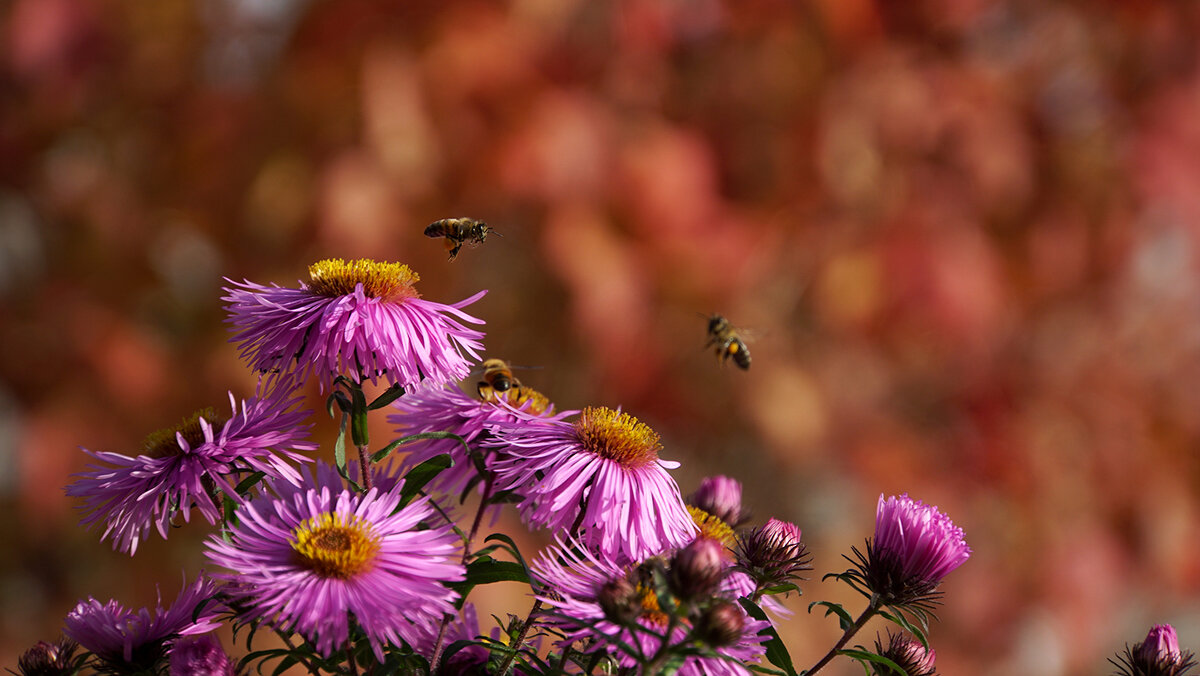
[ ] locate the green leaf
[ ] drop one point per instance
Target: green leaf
(831, 608)
(863, 656)
(420, 475)
(389, 395)
(777, 652)
(359, 433)
(487, 570)
(785, 588)
(246, 484)
(383, 453)
(907, 625)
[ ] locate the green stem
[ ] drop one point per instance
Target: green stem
(520, 639)
(871, 609)
(441, 637)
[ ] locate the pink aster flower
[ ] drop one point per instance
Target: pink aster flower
(132, 641)
(598, 480)
(915, 546)
(185, 466)
(307, 560)
(1158, 655)
(593, 598)
(362, 319)
(446, 408)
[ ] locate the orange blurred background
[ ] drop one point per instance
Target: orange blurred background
(962, 233)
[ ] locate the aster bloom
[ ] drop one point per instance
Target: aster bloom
(182, 467)
(908, 654)
(617, 609)
(308, 559)
(137, 640)
(1158, 655)
(599, 479)
(362, 319)
(915, 546)
(720, 496)
(446, 408)
(200, 656)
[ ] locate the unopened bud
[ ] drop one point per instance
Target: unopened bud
(697, 569)
(49, 659)
(199, 656)
(620, 601)
(910, 654)
(1161, 645)
(721, 624)
(773, 553)
(720, 496)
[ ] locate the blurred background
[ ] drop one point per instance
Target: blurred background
(962, 235)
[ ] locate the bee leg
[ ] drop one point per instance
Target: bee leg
(454, 250)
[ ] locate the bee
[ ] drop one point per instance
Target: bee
(459, 231)
(500, 385)
(729, 344)
(497, 379)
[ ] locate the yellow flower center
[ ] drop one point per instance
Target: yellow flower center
(331, 545)
(617, 436)
(334, 277)
(651, 611)
(711, 526)
(517, 396)
(163, 444)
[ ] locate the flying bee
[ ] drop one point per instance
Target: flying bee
(459, 231)
(497, 379)
(729, 344)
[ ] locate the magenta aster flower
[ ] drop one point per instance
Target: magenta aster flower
(1158, 655)
(445, 408)
(131, 641)
(308, 559)
(594, 598)
(362, 319)
(915, 546)
(185, 466)
(908, 653)
(599, 480)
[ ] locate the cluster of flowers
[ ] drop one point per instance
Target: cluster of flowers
(362, 567)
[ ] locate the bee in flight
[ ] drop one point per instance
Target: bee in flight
(729, 344)
(497, 379)
(459, 231)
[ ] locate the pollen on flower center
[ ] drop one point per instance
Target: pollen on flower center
(333, 546)
(651, 611)
(617, 436)
(163, 443)
(334, 277)
(712, 527)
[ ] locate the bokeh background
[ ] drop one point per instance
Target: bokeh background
(963, 235)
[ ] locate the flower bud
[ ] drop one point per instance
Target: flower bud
(620, 600)
(199, 656)
(696, 570)
(721, 497)
(721, 624)
(1158, 655)
(913, 657)
(49, 659)
(1161, 645)
(773, 553)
